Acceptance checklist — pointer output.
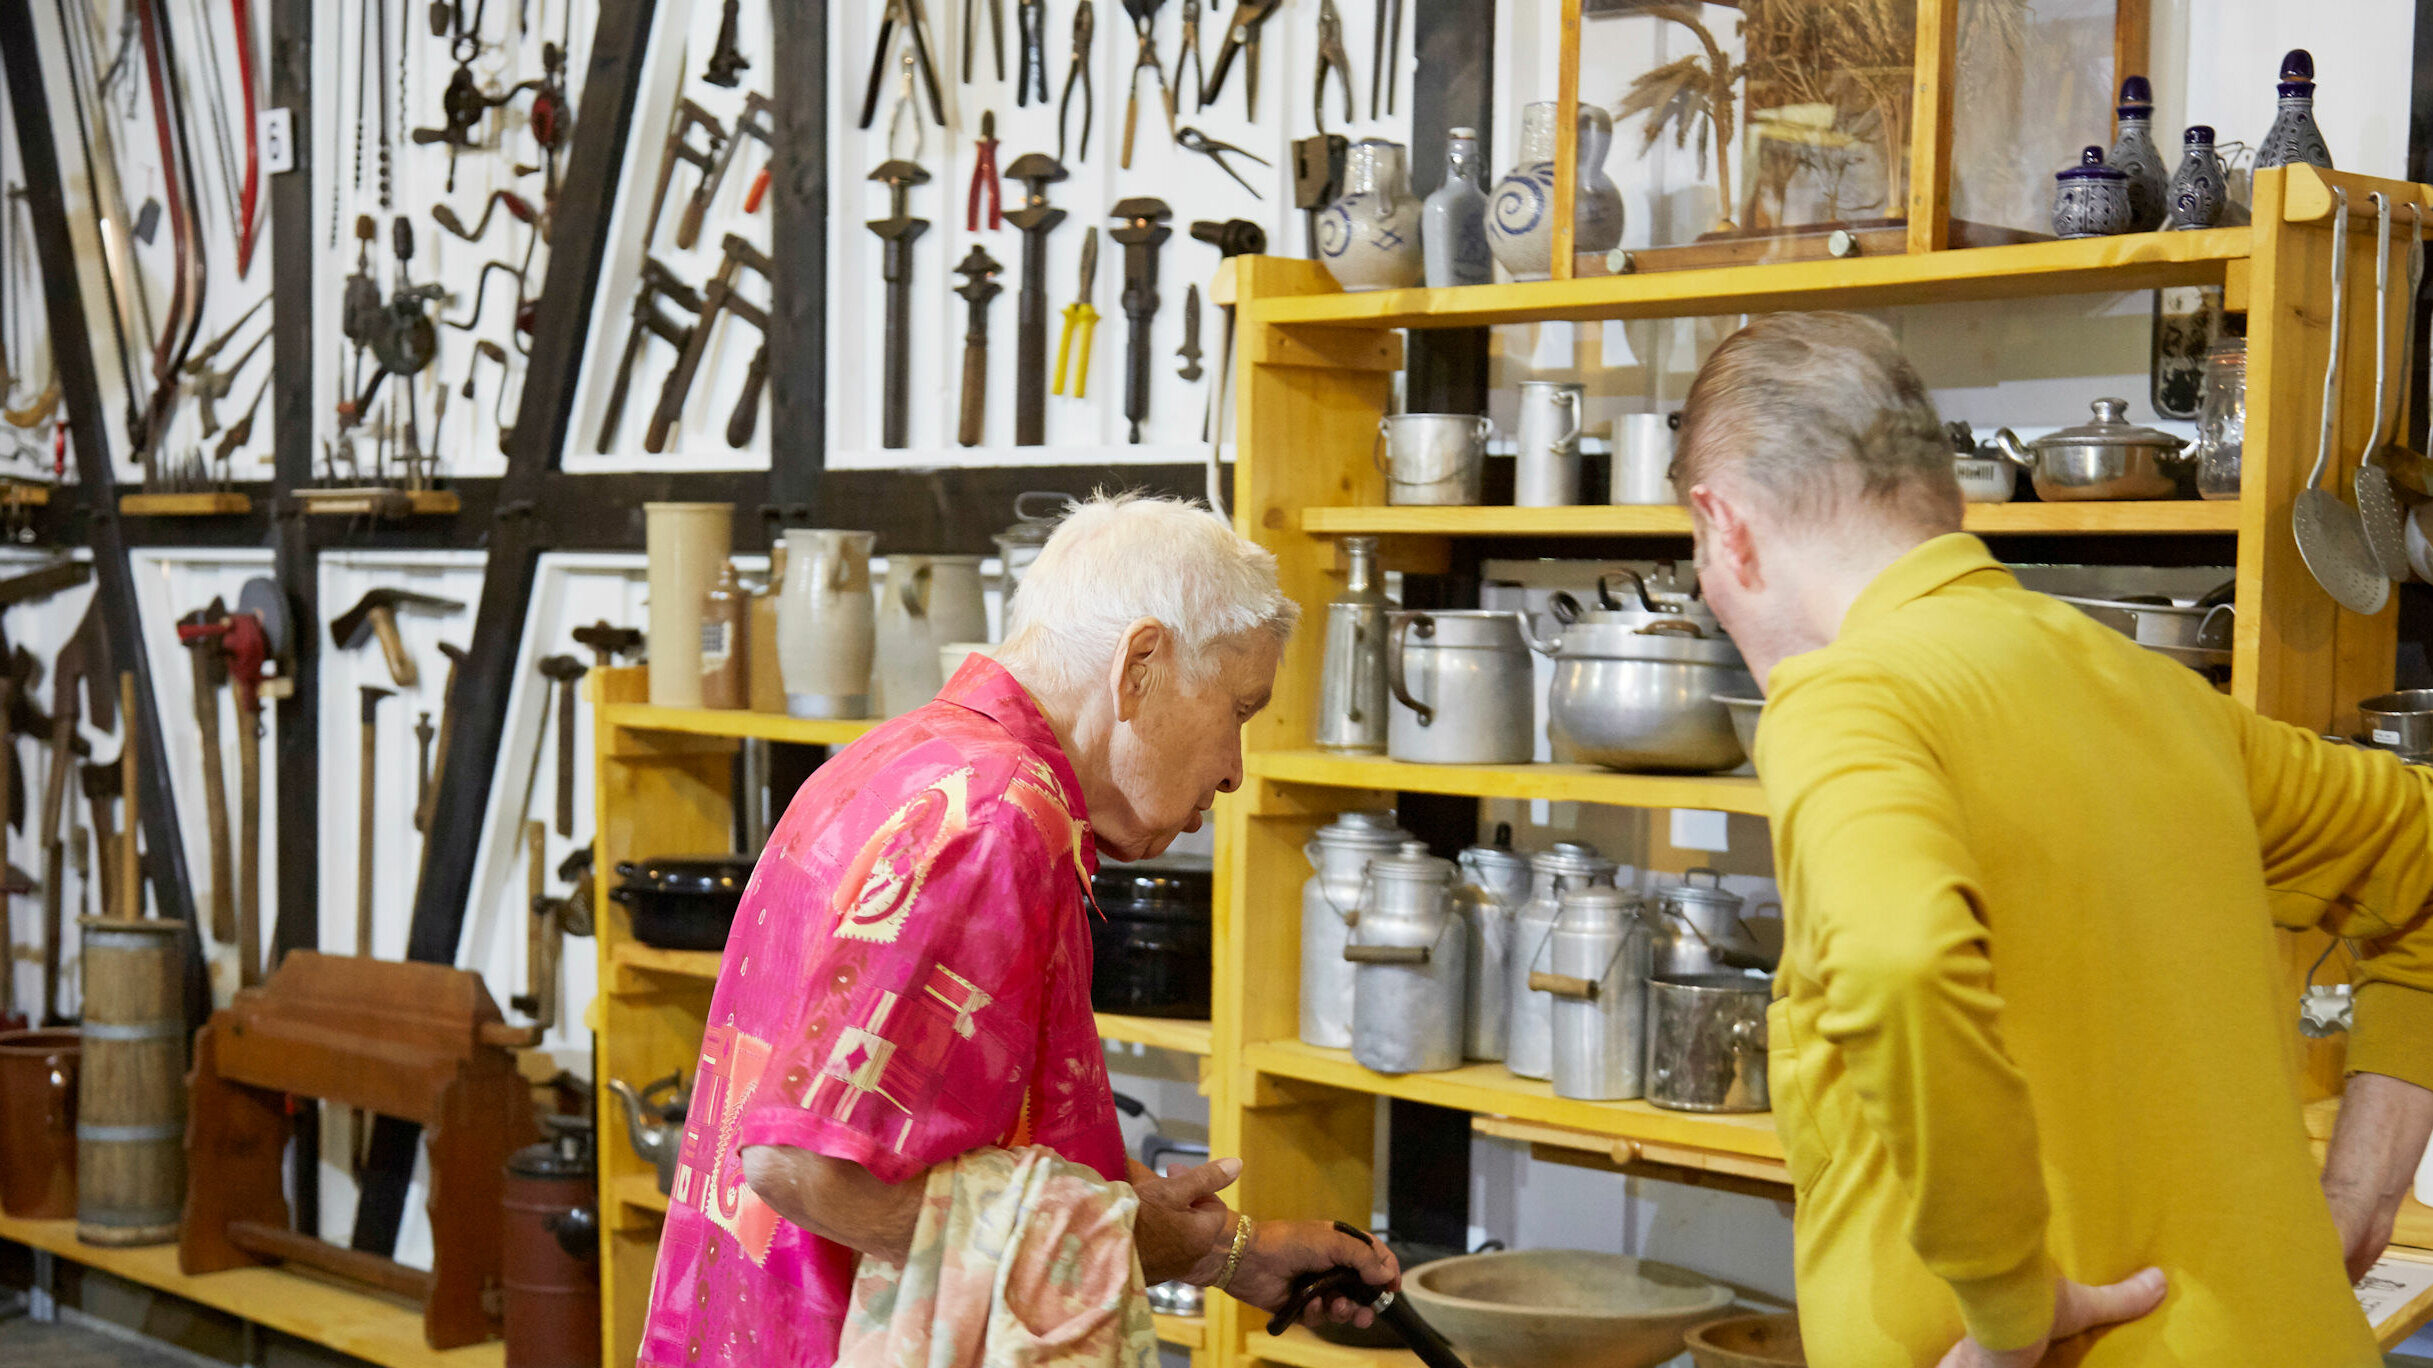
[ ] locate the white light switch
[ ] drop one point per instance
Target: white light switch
(1696, 830)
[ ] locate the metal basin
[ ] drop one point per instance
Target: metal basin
(2401, 722)
(1562, 1308)
(1633, 701)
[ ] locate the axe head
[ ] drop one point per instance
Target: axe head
(215, 660)
(85, 659)
(354, 626)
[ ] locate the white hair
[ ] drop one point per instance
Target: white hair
(1116, 559)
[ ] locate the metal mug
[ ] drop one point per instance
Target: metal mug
(1547, 445)
(1464, 688)
(1432, 458)
(1706, 1042)
(1643, 459)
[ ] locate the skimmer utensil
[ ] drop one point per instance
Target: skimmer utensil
(2378, 502)
(2330, 537)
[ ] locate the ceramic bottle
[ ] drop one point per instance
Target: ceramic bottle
(2293, 137)
(1520, 226)
(1453, 221)
(2090, 199)
(2199, 188)
(1369, 238)
(826, 623)
(2133, 155)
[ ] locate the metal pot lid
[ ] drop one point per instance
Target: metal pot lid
(1571, 857)
(2109, 427)
(1476, 629)
(1715, 983)
(1598, 907)
(688, 873)
(1412, 861)
(1712, 894)
(1493, 860)
(1591, 641)
(1363, 828)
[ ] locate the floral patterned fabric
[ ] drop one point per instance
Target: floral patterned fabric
(1020, 1260)
(908, 980)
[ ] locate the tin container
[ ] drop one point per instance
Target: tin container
(1330, 903)
(1352, 694)
(1432, 458)
(1600, 952)
(1698, 929)
(1464, 687)
(1494, 885)
(1706, 1042)
(1409, 953)
(1546, 471)
(1529, 1023)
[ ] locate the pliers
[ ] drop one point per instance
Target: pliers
(1144, 30)
(908, 13)
(1331, 57)
(1189, 55)
(1193, 140)
(1032, 16)
(1249, 16)
(984, 178)
(1085, 24)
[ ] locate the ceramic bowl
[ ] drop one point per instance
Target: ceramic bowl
(1749, 1342)
(1562, 1308)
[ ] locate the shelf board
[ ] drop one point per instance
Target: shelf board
(1161, 1033)
(1555, 783)
(1666, 520)
(1302, 1348)
(203, 505)
(368, 1325)
(2134, 261)
(630, 958)
(1183, 1332)
(640, 1191)
(733, 724)
(379, 502)
(1493, 1090)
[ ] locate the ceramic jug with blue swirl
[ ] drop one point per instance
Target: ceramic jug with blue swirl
(1369, 239)
(1520, 219)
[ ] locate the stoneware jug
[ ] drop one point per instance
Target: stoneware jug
(2090, 199)
(2199, 188)
(928, 602)
(1453, 221)
(2133, 155)
(2293, 137)
(1520, 223)
(826, 623)
(1369, 239)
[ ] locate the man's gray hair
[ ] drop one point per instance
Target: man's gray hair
(1818, 410)
(1116, 559)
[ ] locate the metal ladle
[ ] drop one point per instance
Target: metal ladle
(2378, 506)
(2330, 536)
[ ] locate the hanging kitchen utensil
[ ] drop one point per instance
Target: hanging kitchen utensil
(2330, 536)
(2377, 498)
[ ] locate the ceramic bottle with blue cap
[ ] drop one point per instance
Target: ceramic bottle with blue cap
(2293, 137)
(2134, 155)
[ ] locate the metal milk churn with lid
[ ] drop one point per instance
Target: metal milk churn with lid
(1330, 903)
(1352, 681)
(1494, 884)
(1408, 952)
(1600, 951)
(1529, 1029)
(1698, 929)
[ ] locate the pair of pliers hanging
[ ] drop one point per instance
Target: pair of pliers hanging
(1331, 57)
(1085, 26)
(1189, 55)
(1193, 140)
(1249, 16)
(984, 177)
(916, 25)
(1144, 30)
(1031, 81)
(906, 109)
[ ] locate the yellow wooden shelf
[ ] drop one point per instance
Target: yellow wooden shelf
(2136, 261)
(1187, 1037)
(1183, 1332)
(1665, 520)
(375, 502)
(352, 1320)
(1555, 783)
(640, 1191)
(201, 505)
(650, 959)
(1303, 1349)
(736, 724)
(1495, 1091)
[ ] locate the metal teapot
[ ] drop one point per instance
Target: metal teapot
(654, 1128)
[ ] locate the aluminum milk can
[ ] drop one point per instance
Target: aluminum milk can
(1600, 954)
(1330, 903)
(1494, 885)
(1698, 929)
(1529, 1028)
(1352, 684)
(1408, 954)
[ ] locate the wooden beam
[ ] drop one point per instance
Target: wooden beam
(1930, 118)
(1566, 142)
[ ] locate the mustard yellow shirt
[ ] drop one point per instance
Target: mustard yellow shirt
(2031, 1016)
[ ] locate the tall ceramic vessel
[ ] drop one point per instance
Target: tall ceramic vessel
(2199, 189)
(1369, 239)
(2134, 155)
(826, 623)
(686, 544)
(928, 602)
(2293, 137)
(1453, 221)
(1520, 214)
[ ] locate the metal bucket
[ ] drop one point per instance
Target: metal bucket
(131, 1084)
(1432, 458)
(1706, 1042)
(38, 1124)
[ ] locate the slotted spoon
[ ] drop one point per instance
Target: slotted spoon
(2378, 505)
(2330, 536)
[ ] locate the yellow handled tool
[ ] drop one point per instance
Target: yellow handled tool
(1081, 318)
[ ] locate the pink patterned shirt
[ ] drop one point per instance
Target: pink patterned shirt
(908, 979)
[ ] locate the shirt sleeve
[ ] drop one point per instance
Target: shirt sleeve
(1892, 928)
(2347, 840)
(916, 1036)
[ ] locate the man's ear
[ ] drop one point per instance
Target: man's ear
(1143, 645)
(1724, 538)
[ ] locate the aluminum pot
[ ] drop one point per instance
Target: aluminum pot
(2106, 458)
(2401, 722)
(1432, 458)
(683, 902)
(1644, 699)
(1600, 957)
(1494, 887)
(1339, 857)
(1699, 929)
(1639, 607)
(1706, 1042)
(1409, 952)
(2196, 635)
(1529, 1021)
(1464, 685)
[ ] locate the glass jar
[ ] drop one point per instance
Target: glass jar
(2221, 420)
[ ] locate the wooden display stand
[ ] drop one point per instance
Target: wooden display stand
(421, 1042)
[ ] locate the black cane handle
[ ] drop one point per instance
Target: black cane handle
(1343, 1280)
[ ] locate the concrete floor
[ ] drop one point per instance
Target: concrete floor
(66, 1346)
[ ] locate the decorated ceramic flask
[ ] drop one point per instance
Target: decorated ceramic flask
(2133, 155)
(1520, 212)
(2199, 188)
(1369, 239)
(2090, 199)
(1453, 222)
(2293, 137)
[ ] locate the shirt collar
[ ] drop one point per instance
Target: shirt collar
(1922, 570)
(987, 688)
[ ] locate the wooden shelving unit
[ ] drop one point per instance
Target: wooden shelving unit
(1316, 374)
(208, 504)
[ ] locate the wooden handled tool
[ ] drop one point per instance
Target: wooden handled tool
(1034, 220)
(130, 859)
(979, 271)
(202, 644)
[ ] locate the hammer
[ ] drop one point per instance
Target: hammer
(377, 613)
(447, 734)
(607, 642)
(563, 671)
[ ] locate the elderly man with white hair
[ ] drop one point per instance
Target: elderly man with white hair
(903, 1147)
(2032, 1040)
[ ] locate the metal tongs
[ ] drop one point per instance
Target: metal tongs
(1345, 1281)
